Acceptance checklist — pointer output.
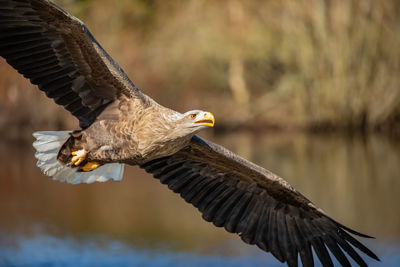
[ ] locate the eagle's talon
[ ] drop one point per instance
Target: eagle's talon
(91, 165)
(78, 156)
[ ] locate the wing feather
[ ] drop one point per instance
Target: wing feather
(180, 180)
(236, 213)
(273, 236)
(302, 245)
(256, 204)
(212, 209)
(187, 192)
(248, 223)
(207, 188)
(262, 229)
(212, 198)
(288, 247)
(226, 207)
(57, 52)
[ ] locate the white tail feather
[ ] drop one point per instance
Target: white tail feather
(47, 146)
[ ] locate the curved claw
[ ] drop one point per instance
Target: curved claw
(78, 156)
(90, 166)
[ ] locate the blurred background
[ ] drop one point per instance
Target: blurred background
(256, 64)
(307, 89)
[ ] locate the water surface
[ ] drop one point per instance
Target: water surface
(140, 222)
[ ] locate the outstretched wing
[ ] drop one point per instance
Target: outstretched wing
(261, 207)
(58, 53)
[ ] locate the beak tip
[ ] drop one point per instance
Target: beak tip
(207, 120)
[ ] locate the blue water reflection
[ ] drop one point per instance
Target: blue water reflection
(139, 222)
(48, 250)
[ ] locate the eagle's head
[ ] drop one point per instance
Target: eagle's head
(193, 121)
(198, 119)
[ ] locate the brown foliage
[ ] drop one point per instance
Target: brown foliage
(286, 63)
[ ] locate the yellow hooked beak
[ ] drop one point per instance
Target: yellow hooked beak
(205, 119)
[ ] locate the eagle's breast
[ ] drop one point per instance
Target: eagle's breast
(134, 134)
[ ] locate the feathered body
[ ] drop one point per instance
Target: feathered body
(129, 132)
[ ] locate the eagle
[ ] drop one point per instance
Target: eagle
(120, 125)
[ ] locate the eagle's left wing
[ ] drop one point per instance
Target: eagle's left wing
(260, 206)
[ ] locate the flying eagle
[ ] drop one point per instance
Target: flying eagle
(121, 125)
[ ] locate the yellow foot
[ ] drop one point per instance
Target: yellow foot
(78, 156)
(90, 166)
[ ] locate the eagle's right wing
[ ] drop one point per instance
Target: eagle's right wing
(58, 53)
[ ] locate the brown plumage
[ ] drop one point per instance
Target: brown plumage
(121, 125)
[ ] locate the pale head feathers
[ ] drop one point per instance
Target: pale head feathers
(192, 121)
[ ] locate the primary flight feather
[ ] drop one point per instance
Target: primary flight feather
(121, 125)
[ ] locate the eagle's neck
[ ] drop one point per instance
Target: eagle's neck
(162, 136)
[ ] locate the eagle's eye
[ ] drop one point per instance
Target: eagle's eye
(193, 116)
